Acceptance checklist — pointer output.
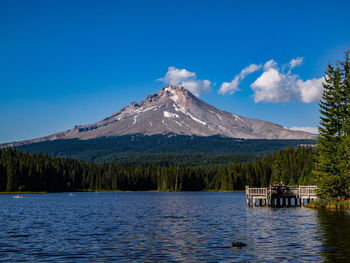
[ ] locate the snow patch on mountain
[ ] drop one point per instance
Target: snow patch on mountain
(170, 115)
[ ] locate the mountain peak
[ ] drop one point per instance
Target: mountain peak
(175, 90)
(172, 88)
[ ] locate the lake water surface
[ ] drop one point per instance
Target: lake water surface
(155, 227)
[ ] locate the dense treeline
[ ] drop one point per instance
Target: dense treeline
(185, 159)
(38, 172)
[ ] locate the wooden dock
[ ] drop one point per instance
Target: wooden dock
(281, 195)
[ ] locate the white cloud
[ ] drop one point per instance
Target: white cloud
(248, 70)
(175, 76)
(273, 86)
(270, 64)
(310, 90)
(232, 87)
(197, 86)
(186, 79)
(276, 86)
(313, 130)
(295, 62)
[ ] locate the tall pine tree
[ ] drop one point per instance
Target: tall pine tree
(329, 166)
(344, 149)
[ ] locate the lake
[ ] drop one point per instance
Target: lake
(156, 227)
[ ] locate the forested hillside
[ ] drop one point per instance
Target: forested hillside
(38, 172)
(199, 150)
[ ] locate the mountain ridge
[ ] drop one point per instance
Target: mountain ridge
(176, 110)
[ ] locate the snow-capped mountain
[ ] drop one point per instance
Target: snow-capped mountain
(175, 110)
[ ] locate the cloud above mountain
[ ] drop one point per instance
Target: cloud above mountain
(294, 63)
(277, 84)
(274, 85)
(232, 87)
(186, 79)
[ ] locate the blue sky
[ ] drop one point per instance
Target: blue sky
(64, 63)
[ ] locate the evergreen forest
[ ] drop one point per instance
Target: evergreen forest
(40, 172)
(163, 148)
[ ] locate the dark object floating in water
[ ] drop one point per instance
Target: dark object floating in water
(238, 244)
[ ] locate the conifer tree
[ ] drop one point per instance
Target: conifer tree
(344, 149)
(12, 175)
(334, 111)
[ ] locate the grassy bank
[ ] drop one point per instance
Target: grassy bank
(332, 204)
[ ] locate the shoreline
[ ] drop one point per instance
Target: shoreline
(331, 205)
(115, 191)
(23, 192)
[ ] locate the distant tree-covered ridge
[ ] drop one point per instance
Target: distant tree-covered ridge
(40, 172)
(141, 147)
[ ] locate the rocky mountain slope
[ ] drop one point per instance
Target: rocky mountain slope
(175, 110)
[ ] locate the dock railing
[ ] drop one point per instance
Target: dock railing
(273, 194)
(309, 191)
(293, 190)
(256, 192)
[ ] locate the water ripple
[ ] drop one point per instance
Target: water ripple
(165, 227)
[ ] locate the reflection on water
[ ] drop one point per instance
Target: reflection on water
(163, 227)
(335, 232)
